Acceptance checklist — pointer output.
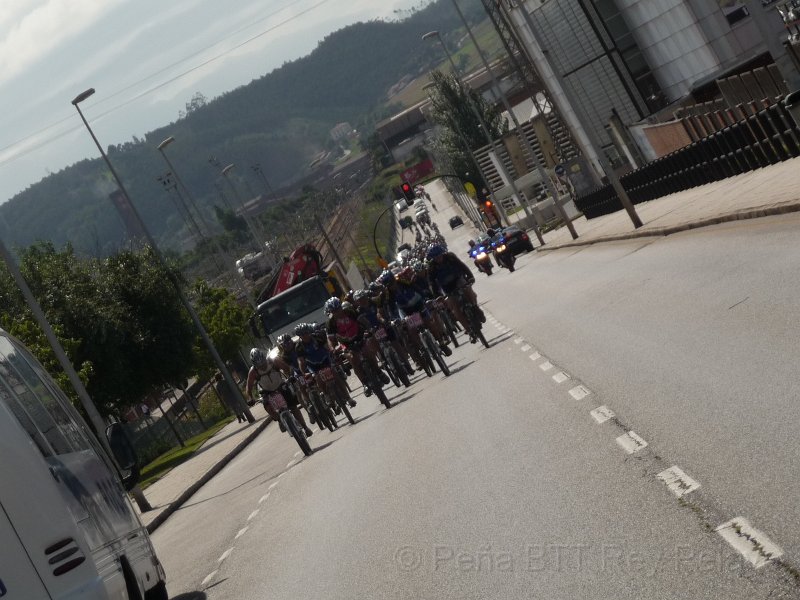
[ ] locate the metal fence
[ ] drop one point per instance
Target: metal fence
(762, 136)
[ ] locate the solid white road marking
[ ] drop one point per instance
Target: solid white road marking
(630, 442)
(273, 484)
(535, 356)
(546, 365)
(253, 514)
(579, 393)
(525, 348)
(208, 579)
(263, 498)
(560, 377)
(678, 482)
(225, 555)
(748, 541)
(601, 414)
(241, 532)
(518, 341)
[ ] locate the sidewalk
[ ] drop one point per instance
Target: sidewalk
(772, 190)
(170, 492)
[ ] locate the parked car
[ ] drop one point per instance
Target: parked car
(402, 206)
(406, 222)
(517, 240)
(455, 222)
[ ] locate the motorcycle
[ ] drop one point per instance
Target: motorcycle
(503, 254)
(480, 255)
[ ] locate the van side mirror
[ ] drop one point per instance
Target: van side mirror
(124, 454)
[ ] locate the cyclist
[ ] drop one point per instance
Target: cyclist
(446, 274)
(345, 328)
(370, 315)
(314, 355)
(409, 293)
(267, 374)
(287, 352)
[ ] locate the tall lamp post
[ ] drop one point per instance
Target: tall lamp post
(489, 138)
(226, 174)
(175, 283)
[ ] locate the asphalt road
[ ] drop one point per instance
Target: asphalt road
(498, 483)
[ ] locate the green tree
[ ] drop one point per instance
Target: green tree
(225, 321)
(462, 130)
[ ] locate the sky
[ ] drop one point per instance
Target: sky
(145, 59)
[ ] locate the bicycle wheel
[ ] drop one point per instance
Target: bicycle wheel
(482, 338)
(436, 353)
(398, 368)
(298, 434)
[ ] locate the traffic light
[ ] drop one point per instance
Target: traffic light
(408, 192)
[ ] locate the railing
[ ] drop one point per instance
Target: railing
(763, 137)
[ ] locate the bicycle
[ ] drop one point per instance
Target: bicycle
(472, 317)
(278, 403)
(392, 362)
(428, 343)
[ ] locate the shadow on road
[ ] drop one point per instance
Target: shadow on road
(191, 595)
(458, 369)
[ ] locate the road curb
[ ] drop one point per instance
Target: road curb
(754, 213)
(192, 489)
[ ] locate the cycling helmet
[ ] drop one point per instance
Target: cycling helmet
(406, 275)
(285, 341)
(435, 250)
(304, 329)
(360, 294)
(332, 305)
(257, 357)
(347, 305)
(386, 278)
(375, 287)
(349, 295)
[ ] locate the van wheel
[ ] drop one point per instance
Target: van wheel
(157, 592)
(131, 585)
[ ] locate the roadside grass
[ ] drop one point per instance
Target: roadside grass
(153, 471)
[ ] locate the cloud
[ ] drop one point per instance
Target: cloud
(44, 29)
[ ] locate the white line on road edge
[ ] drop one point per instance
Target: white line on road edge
(225, 555)
(518, 341)
(242, 531)
(253, 514)
(630, 442)
(208, 578)
(579, 393)
(678, 482)
(263, 498)
(560, 377)
(535, 356)
(525, 348)
(601, 414)
(748, 541)
(546, 365)
(273, 484)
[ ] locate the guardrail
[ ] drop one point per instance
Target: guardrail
(763, 137)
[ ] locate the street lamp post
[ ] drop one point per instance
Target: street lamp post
(489, 138)
(226, 174)
(538, 165)
(176, 284)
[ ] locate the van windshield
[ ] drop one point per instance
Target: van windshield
(292, 305)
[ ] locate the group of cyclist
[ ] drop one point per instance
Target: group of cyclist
(356, 324)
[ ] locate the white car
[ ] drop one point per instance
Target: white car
(402, 206)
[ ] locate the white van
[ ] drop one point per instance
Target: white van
(67, 528)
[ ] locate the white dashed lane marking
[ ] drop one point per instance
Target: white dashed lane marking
(273, 484)
(241, 532)
(525, 348)
(535, 356)
(253, 515)
(748, 541)
(208, 578)
(290, 464)
(296, 454)
(225, 555)
(263, 498)
(631, 442)
(518, 341)
(579, 392)
(678, 482)
(560, 377)
(601, 414)
(546, 366)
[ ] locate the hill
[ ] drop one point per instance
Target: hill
(279, 121)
